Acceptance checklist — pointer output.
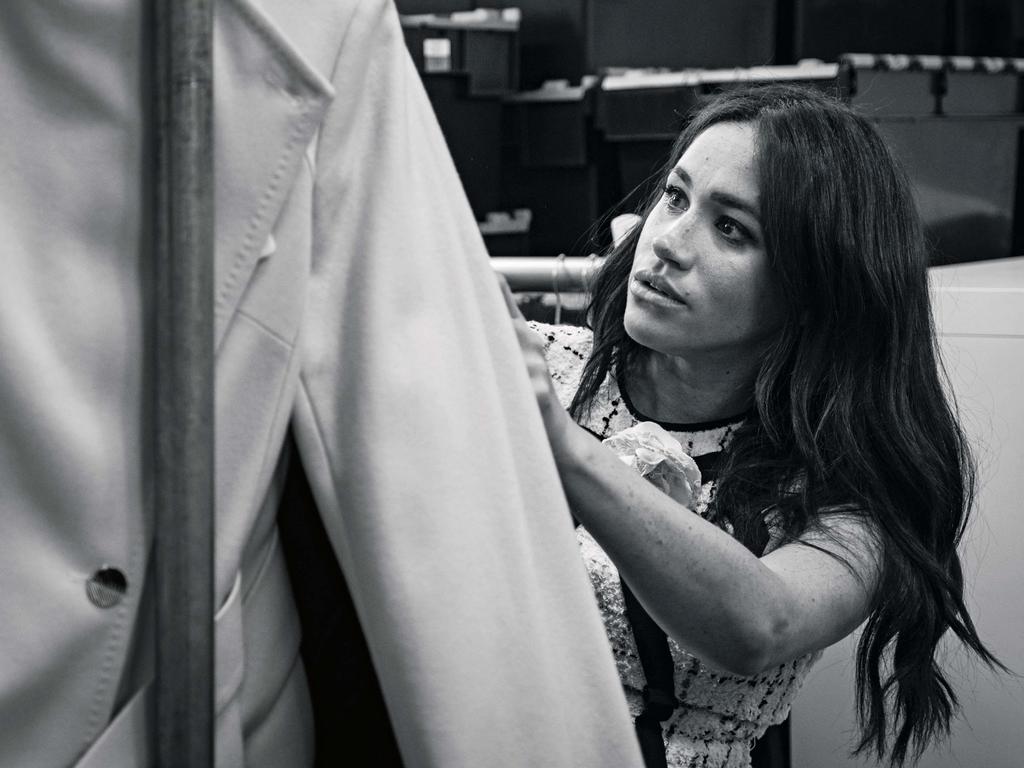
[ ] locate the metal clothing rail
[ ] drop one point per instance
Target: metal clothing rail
(552, 274)
(183, 453)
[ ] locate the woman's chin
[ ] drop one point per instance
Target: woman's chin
(644, 330)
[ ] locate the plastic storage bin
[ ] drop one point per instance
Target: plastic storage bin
(472, 128)
(551, 126)
(552, 165)
(891, 84)
(969, 181)
(467, 60)
(974, 86)
(507, 234)
(483, 44)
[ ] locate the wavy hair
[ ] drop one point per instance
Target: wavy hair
(850, 408)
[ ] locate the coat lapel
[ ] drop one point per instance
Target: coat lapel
(268, 104)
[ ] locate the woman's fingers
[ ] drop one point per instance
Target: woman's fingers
(531, 344)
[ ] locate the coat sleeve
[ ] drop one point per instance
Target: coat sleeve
(426, 452)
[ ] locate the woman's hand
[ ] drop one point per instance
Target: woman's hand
(559, 425)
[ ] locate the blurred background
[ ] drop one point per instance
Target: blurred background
(557, 112)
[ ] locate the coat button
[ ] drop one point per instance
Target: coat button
(106, 587)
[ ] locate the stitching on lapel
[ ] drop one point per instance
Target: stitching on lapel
(256, 221)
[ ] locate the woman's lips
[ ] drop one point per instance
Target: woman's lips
(653, 287)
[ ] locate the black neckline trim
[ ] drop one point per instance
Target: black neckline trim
(696, 426)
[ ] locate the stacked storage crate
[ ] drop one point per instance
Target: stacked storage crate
(964, 156)
(468, 60)
(552, 166)
(541, 167)
(955, 124)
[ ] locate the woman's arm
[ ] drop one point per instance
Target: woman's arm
(737, 612)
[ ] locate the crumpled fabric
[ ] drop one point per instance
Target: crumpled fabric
(658, 456)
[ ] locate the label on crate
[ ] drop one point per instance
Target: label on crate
(437, 54)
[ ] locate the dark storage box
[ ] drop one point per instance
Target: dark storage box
(432, 6)
(642, 112)
(640, 164)
(565, 203)
(876, 93)
(678, 35)
(472, 128)
(966, 172)
(983, 86)
(552, 125)
(646, 105)
(483, 46)
(507, 234)
(882, 85)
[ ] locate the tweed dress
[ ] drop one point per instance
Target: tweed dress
(720, 715)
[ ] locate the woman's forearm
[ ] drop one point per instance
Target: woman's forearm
(702, 586)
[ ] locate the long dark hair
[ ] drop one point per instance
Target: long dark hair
(850, 410)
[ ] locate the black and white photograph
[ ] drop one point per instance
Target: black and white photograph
(536, 384)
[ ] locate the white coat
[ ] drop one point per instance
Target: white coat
(354, 306)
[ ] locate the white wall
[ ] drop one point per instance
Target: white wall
(980, 315)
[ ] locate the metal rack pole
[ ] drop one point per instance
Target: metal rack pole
(553, 274)
(184, 490)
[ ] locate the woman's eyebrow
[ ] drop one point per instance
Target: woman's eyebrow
(683, 175)
(723, 198)
(732, 201)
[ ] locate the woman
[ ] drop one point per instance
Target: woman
(772, 312)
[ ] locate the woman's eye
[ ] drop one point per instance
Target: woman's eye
(675, 197)
(733, 230)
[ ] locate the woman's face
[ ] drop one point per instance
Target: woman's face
(700, 281)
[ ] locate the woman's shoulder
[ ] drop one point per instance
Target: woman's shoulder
(566, 349)
(565, 346)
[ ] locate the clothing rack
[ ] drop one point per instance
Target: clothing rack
(183, 455)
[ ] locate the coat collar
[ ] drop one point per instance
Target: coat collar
(269, 100)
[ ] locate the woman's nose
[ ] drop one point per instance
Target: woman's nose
(676, 244)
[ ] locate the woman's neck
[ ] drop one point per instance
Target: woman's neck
(687, 391)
